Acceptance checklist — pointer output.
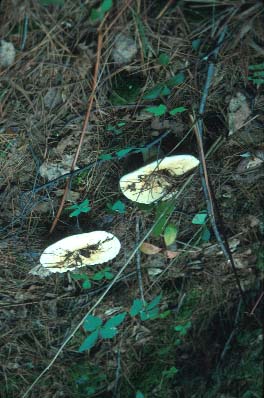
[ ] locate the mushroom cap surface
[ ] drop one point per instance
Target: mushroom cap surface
(155, 180)
(77, 251)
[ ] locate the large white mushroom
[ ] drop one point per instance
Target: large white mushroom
(156, 180)
(77, 251)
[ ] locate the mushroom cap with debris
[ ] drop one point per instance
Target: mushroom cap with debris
(77, 251)
(156, 180)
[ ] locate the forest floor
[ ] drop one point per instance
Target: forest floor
(97, 90)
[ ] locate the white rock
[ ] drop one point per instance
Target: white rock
(7, 53)
(125, 49)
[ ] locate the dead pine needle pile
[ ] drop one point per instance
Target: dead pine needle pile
(131, 198)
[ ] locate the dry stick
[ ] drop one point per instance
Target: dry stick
(100, 299)
(138, 260)
(84, 128)
(210, 203)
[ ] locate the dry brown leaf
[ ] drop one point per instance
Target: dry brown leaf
(170, 254)
(148, 248)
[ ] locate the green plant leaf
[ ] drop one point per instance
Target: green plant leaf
(98, 276)
(97, 14)
(78, 277)
(175, 80)
(106, 5)
(106, 156)
(167, 208)
(89, 342)
(124, 152)
(149, 314)
(118, 206)
(170, 234)
(256, 66)
(108, 333)
(164, 59)
(83, 207)
(108, 275)
(206, 235)
(158, 110)
(180, 109)
(137, 306)
(139, 394)
(115, 320)
(92, 323)
(157, 91)
(154, 302)
(87, 284)
(200, 218)
(196, 44)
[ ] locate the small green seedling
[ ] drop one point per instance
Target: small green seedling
(83, 207)
(103, 274)
(170, 234)
(98, 330)
(86, 283)
(117, 207)
(258, 73)
(183, 329)
(164, 59)
(98, 14)
(200, 219)
(139, 394)
(145, 310)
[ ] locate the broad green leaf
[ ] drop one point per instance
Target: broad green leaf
(154, 302)
(98, 13)
(165, 314)
(259, 73)
(180, 109)
(200, 218)
(108, 333)
(83, 207)
(137, 306)
(124, 152)
(196, 44)
(175, 80)
(121, 124)
(118, 206)
(158, 110)
(256, 81)
(87, 284)
(108, 275)
(115, 320)
(256, 67)
(106, 5)
(98, 276)
(206, 235)
(167, 208)
(89, 342)
(92, 323)
(106, 156)
(164, 59)
(148, 248)
(170, 234)
(151, 314)
(139, 394)
(78, 277)
(157, 91)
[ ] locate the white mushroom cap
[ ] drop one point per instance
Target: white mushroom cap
(155, 181)
(77, 251)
